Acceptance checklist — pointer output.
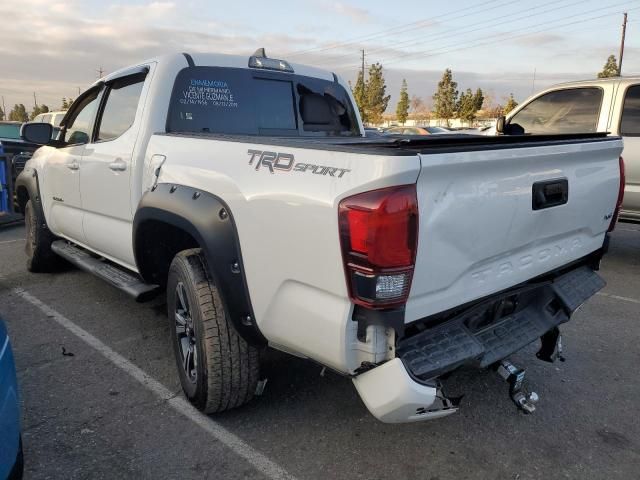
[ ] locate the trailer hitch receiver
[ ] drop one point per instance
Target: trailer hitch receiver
(524, 399)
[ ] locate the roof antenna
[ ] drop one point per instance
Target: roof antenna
(260, 53)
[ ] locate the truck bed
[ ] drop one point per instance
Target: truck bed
(407, 145)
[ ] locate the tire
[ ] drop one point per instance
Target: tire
(40, 257)
(200, 329)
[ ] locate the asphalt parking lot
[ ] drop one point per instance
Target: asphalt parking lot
(101, 398)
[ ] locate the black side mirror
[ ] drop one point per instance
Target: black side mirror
(36, 132)
(500, 124)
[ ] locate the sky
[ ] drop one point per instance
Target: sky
(56, 48)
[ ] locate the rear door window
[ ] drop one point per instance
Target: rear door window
(630, 123)
(254, 102)
(120, 109)
(574, 110)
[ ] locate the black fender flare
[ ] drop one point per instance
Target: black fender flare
(208, 219)
(28, 180)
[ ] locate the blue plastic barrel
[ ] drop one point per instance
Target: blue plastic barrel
(4, 182)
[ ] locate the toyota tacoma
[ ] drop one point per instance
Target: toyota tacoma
(244, 188)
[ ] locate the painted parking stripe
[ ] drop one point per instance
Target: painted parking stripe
(12, 241)
(618, 297)
(259, 461)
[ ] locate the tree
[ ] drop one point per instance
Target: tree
(469, 103)
(360, 96)
(1, 114)
(479, 99)
(466, 106)
(37, 110)
(510, 105)
(19, 113)
(375, 89)
(445, 98)
(416, 104)
(610, 68)
(402, 109)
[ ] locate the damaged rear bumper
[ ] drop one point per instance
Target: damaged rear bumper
(392, 396)
(404, 389)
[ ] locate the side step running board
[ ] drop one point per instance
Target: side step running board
(120, 278)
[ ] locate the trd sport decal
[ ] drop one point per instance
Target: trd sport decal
(285, 162)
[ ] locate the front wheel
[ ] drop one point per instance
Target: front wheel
(218, 370)
(40, 257)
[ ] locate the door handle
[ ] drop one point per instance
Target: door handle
(74, 165)
(118, 165)
(549, 193)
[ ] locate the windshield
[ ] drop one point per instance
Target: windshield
(255, 102)
(10, 131)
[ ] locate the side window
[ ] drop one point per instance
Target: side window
(572, 110)
(120, 109)
(80, 124)
(630, 123)
(45, 119)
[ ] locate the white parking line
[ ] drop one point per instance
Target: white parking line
(618, 297)
(12, 241)
(263, 464)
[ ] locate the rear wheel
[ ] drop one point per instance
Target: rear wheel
(218, 370)
(40, 257)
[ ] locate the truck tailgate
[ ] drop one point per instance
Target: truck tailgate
(482, 231)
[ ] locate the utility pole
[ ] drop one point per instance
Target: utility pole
(100, 72)
(4, 109)
(35, 100)
(624, 30)
(362, 65)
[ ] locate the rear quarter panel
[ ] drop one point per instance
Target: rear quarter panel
(288, 229)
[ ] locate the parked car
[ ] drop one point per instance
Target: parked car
(11, 457)
(373, 133)
(18, 150)
(243, 188)
(602, 105)
(415, 131)
(54, 118)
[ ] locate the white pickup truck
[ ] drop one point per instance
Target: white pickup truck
(244, 188)
(603, 105)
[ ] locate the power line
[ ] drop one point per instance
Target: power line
(393, 30)
(499, 37)
(448, 34)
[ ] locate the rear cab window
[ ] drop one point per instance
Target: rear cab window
(241, 101)
(566, 111)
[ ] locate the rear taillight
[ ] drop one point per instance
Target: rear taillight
(379, 237)
(616, 212)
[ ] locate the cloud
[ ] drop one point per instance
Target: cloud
(65, 46)
(357, 14)
(538, 39)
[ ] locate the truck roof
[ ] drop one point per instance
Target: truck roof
(599, 81)
(219, 60)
